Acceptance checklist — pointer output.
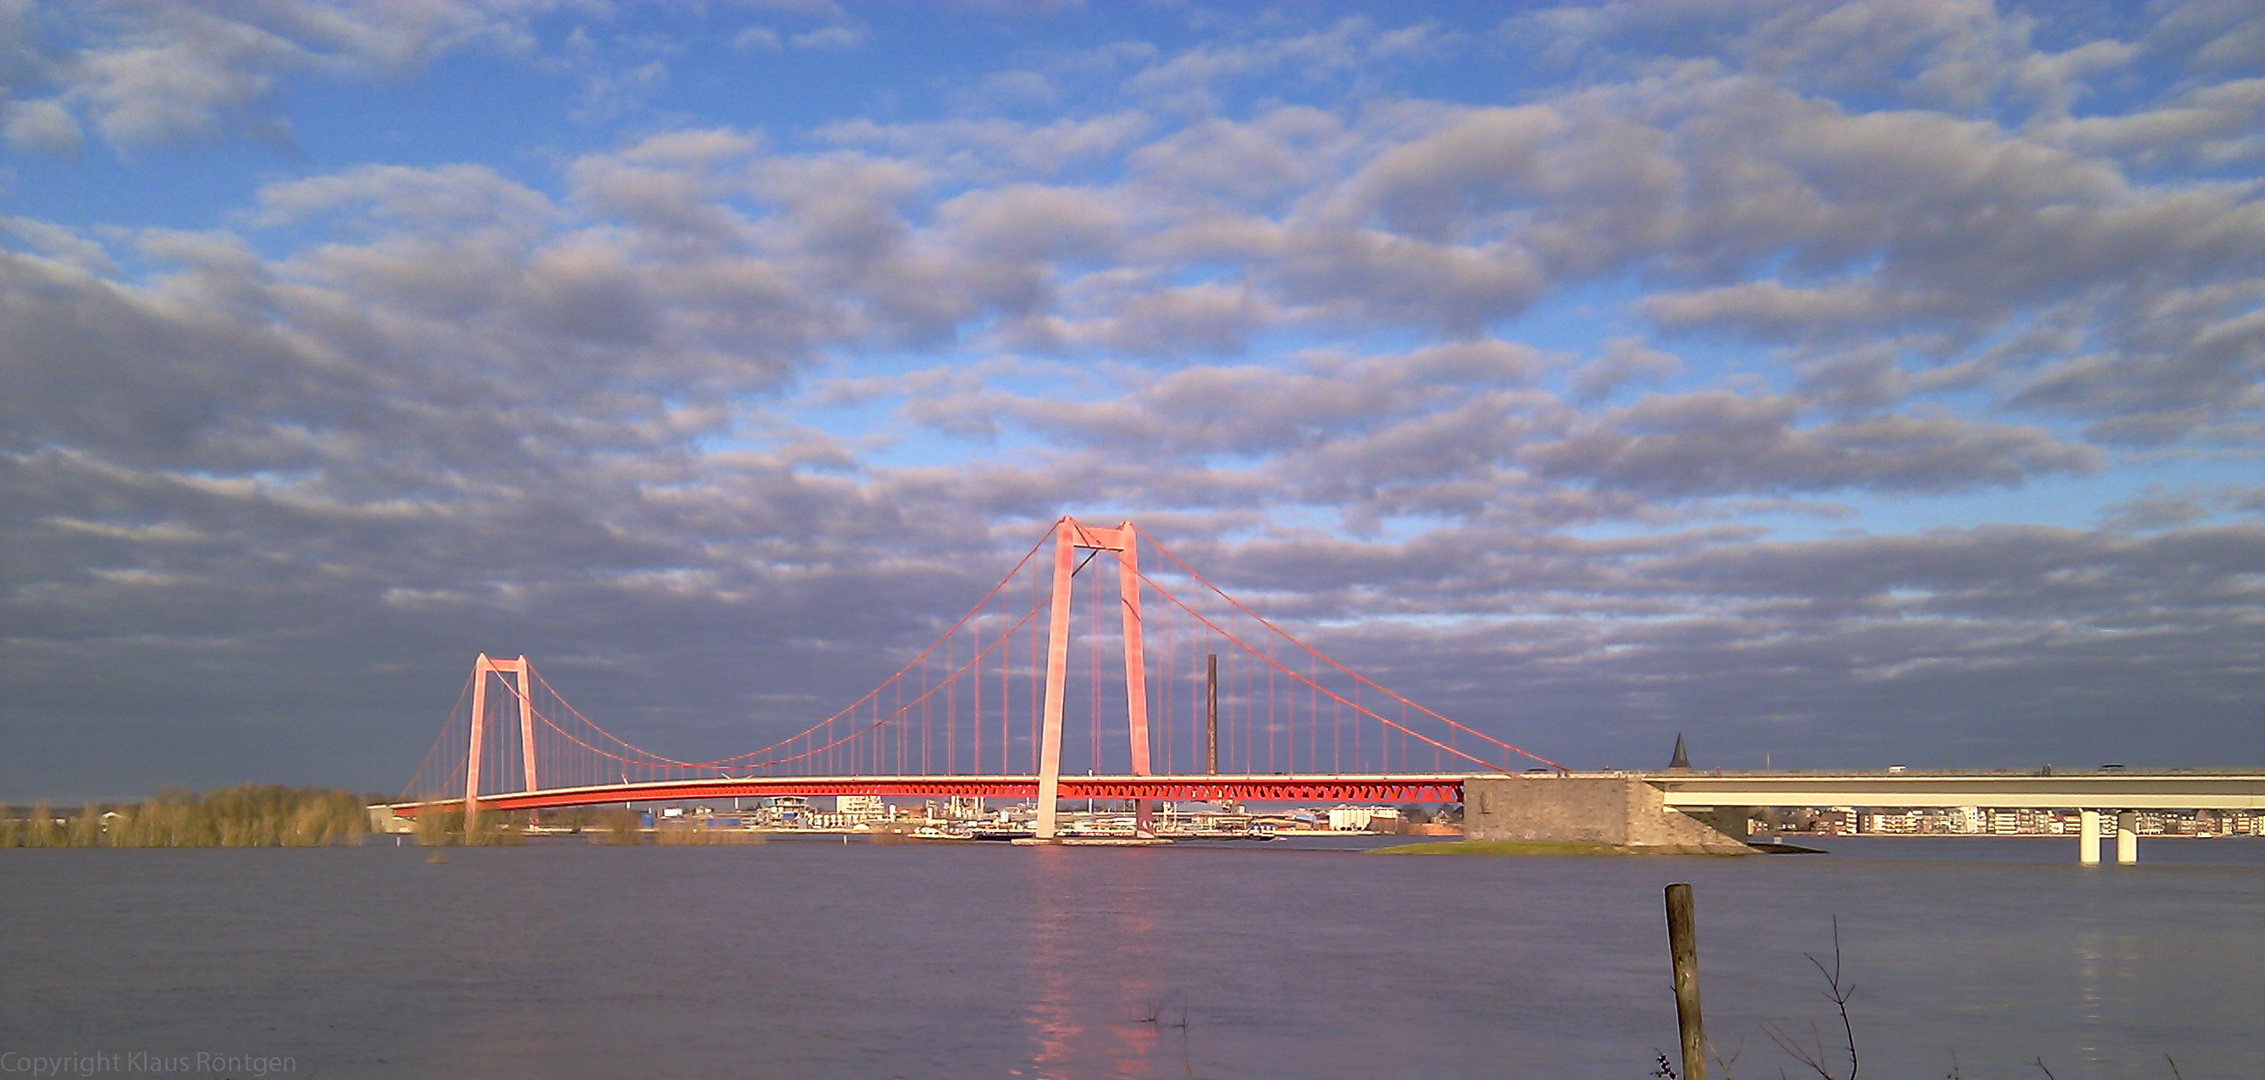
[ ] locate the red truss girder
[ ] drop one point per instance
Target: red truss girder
(1267, 788)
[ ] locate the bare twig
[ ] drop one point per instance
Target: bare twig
(2174, 1067)
(1723, 1064)
(1153, 1013)
(2040, 1064)
(1812, 1056)
(1185, 1062)
(1840, 995)
(1838, 992)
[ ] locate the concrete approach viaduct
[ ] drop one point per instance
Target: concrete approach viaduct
(1707, 810)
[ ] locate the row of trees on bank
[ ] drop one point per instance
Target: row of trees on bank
(445, 828)
(255, 815)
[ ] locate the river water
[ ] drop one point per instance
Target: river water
(813, 959)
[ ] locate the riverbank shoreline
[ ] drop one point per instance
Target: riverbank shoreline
(1542, 847)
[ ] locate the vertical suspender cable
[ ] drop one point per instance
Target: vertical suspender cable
(1164, 688)
(951, 705)
(1249, 716)
(975, 719)
(1007, 628)
(1093, 676)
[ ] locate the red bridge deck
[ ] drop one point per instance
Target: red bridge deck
(1277, 787)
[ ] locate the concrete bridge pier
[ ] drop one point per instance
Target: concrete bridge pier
(1611, 810)
(2088, 837)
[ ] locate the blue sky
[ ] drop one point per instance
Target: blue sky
(1853, 382)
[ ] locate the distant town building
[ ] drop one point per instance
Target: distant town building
(1981, 821)
(1362, 818)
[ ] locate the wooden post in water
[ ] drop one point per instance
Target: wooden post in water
(1683, 948)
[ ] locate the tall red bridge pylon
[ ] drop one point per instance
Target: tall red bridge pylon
(482, 668)
(1069, 538)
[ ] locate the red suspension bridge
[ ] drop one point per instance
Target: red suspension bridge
(1218, 703)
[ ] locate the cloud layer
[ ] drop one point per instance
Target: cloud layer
(1850, 383)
